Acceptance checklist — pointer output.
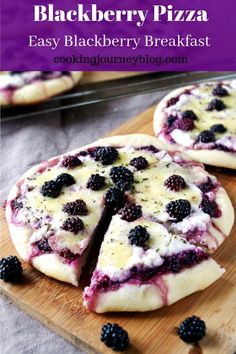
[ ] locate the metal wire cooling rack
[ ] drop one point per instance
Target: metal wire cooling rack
(111, 90)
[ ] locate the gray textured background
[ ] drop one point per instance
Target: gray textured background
(27, 142)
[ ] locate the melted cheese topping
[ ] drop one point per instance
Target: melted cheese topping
(198, 102)
(45, 215)
(117, 256)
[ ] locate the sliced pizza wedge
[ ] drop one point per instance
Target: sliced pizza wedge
(201, 121)
(142, 267)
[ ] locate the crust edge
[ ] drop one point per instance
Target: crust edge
(148, 297)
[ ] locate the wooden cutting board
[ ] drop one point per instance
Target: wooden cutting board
(59, 306)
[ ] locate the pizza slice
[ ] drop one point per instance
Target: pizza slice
(142, 267)
(201, 121)
(29, 87)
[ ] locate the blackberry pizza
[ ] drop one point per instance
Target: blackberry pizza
(29, 87)
(166, 215)
(201, 121)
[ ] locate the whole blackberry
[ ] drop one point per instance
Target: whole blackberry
(175, 183)
(123, 186)
(172, 101)
(206, 186)
(206, 136)
(170, 121)
(50, 189)
(185, 124)
(65, 180)
(130, 212)
(73, 224)
(106, 155)
(71, 161)
(78, 207)
(121, 174)
(43, 245)
(218, 128)
(114, 337)
(178, 209)
(10, 268)
(96, 182)
(192, 329)
(220, 91)
(189, 114)
(140, 163)
(139, 236)
(216, 105)
(114, 197)
(210, 207)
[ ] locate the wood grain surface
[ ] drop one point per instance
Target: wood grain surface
(59, 306)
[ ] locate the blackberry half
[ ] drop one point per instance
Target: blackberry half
(179, 209)
(206, 136)
(114, 337)
(210, 207)
(130, 212)
(65, 180)
(218, 128)
(139, 236)
(96, 182)
(122, 176)
(206, 186)
(10, 268)
(114, 197)
(106, 154)
(220, 91)
(175, 183)
(185, 124)
(50, 189)
(71, 161)
(140, 163)
(73, 224)
(192, 329)
(78, 207)
(43, 245)
(172, 101)
(216, 105)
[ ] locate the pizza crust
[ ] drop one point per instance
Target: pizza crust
(57, 269)
(21, 235)
(148, 297)
(210, 157)
(41, 90)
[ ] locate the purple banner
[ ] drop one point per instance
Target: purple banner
(129, 35)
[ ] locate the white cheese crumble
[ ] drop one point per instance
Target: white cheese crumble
(17, 80)
(182, 138)
(199, 220)
(178, 245)
(233, 84)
